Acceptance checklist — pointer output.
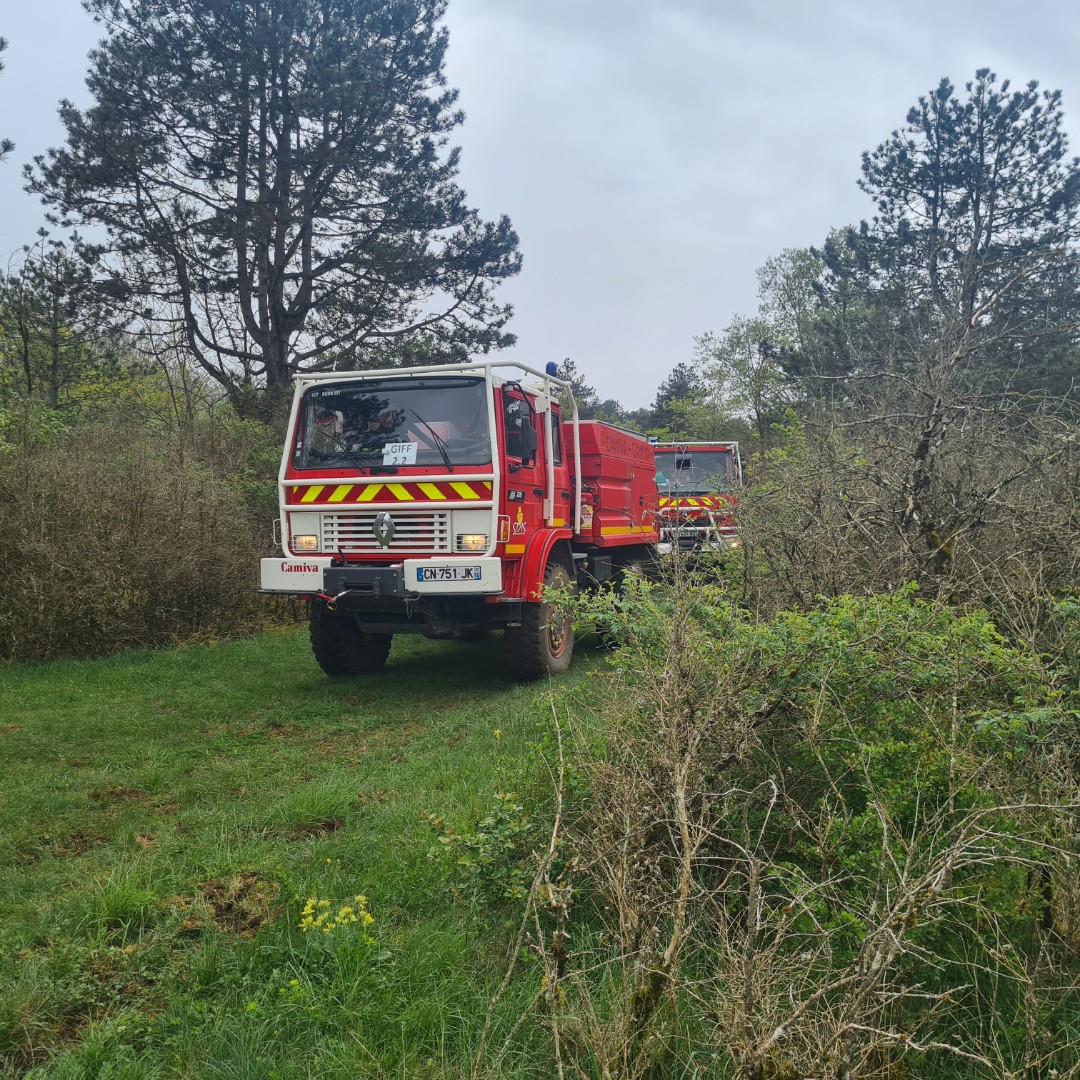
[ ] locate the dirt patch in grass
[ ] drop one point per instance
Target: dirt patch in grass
(240, 904)
(340, 747)
(285, 731)
(105, 979)
(78, 843)
(120, 795)
(316, 829)
(40, 1041)
(31, 849)
(346, 746)
(273, 730)
(373, 798)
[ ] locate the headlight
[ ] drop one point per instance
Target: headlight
(305, 542)
(735, 542)
(472, 541)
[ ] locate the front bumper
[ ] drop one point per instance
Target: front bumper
(411, 578)
(690, 538)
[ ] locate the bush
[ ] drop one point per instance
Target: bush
(120, 537)
(988, 520)
(835, 843)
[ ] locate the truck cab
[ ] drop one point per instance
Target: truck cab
(698, 485)
(446, 501)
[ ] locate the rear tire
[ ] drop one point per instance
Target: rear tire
(544, 642)
(642, 565)
(341, 647)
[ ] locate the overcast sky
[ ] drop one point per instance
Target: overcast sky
(651, 153)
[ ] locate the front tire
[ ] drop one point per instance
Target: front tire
(544, 642)
(341, 647)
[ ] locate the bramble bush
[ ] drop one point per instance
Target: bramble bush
(837, 842)
(119, 536)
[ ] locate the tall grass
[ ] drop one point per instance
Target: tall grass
(165, 818)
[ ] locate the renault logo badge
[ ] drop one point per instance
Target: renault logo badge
(384, 528)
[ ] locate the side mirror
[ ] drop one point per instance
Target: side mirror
(529, 442)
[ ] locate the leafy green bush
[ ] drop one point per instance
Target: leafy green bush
(836, 842)
(489, 860)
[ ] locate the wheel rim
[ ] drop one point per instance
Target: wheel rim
(558, 632)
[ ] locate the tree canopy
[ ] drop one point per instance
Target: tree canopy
(274, 177)
(972, 250)
(55, 332)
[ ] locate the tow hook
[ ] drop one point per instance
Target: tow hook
(331, 601)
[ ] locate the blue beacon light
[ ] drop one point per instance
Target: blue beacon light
(552, 369)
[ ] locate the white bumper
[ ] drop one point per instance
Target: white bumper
(285, 575)
(424, 576)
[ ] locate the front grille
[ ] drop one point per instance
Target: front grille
(416, 531)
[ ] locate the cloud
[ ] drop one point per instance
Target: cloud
(654, 155)
(651, 154)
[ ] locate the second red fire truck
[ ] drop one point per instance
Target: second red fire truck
(698, 485)
(447, 501)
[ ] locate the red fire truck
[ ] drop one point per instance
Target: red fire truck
(698, 485)
(443, 500)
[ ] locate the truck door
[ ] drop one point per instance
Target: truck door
(563, 511)
(523, 468)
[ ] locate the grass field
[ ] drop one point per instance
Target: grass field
(166, 816)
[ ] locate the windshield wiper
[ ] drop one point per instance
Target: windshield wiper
(437, 438)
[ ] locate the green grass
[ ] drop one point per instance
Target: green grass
(164, 817)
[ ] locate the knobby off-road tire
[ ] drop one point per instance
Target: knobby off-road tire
(544, 642)
(341, 647)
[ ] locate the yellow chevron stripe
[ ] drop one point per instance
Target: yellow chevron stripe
(464, 490)
(432, 491)
(369, 493)
(340, 492)
(312, 493)
(400, 492)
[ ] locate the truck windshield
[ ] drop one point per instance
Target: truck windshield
(394, 422)
(695, 472)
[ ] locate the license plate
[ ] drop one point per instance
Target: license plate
(448, 573)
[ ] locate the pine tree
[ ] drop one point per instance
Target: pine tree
(274, 177)
(682, 386)
(585, 395)
(971, 253)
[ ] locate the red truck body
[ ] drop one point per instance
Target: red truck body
(618, 474)
(442, 501)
